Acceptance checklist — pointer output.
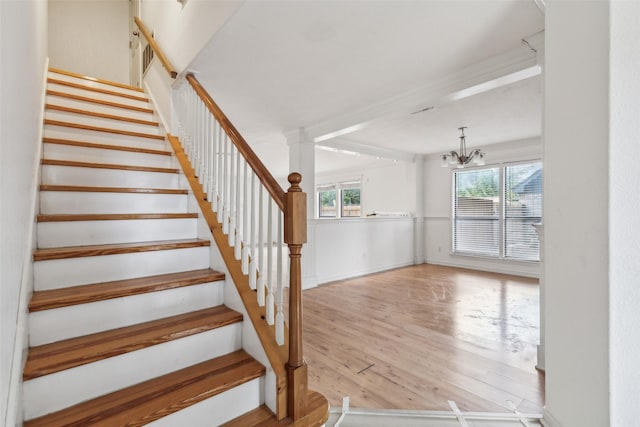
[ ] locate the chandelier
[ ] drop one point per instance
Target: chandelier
(462, 158)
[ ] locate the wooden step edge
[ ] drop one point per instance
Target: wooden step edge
(114, 249)
(95, 79)
(100, 115)
(102, 129)
(156, 398)
(52, 162)
(318, 414)
(95, 145)
(62, 355)
(97, 90)
(58, 93)
(83, 189)
(74, 295)
(113, 217)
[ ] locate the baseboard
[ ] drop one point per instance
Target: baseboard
(21, 339)
(548, 420)
(312, 282)
(484, 268)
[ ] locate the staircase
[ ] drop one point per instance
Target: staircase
(127, 321)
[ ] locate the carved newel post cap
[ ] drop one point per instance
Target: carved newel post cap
(295, 179)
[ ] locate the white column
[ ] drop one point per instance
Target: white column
(624, 203)
(418, 220)
(536, 42)
(576, 214)
(302, 159)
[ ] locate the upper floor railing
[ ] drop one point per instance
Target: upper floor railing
(253, 218)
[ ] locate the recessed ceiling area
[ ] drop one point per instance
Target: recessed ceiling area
(280, 66)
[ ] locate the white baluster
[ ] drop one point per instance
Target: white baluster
(239, 207)
(206, 164)
(280, 282)
(245, 219)
(252, 247)
(261, 272)
(211, 196)
(232, 196)
(225, 186)
(270, 282)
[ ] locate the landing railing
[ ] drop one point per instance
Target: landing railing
(251, 218)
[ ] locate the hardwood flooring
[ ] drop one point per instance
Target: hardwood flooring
(417, 337)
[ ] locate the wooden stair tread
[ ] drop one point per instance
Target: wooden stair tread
(100, 115)
(113, 249)
(56, 298)
(84, 189)
(98, 101)
(70, 142)
(102, 129)
(95, 79)
(318, 413)
(58, 356)
(52, 162)
(97, 90)
(142, 403)
(113, 217)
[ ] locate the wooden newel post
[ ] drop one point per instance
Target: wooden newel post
(295, 235)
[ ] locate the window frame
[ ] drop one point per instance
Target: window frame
(502, 219)
(338, 187)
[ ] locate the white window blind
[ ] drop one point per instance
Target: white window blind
(522, 209)
(476, 228)
(494, 210)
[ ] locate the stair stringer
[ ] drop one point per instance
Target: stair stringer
(236, 283)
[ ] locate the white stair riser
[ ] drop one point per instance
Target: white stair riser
(64, 132)
(65, 388)
(78, 233)
(83, 319)
(97, 95)
(84, 119)
(69, 202)
(218, 409)
(61, 273)
(94, 84)
(98, 108)
(100, 155)
(96, 177)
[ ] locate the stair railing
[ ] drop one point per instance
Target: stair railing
(251, 218)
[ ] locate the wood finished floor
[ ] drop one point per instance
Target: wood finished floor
(417, 337)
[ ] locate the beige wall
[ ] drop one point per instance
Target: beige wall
(90, 37)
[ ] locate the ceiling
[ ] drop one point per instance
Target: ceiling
(336, 66)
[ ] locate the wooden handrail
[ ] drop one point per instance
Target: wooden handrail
(243, 147)
(156, 49)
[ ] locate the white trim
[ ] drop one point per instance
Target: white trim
(548, 420)
(21, 338)
(487, 268)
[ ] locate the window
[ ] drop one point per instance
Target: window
(340, 200)
(494, 210)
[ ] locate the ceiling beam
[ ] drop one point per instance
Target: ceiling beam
(500, 70)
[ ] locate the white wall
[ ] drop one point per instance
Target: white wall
(183, 30)
(624, 201)
(23, 50)
(576, 204)
(339, 249)
(389, 188)
(438, 190)
(90, 37)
